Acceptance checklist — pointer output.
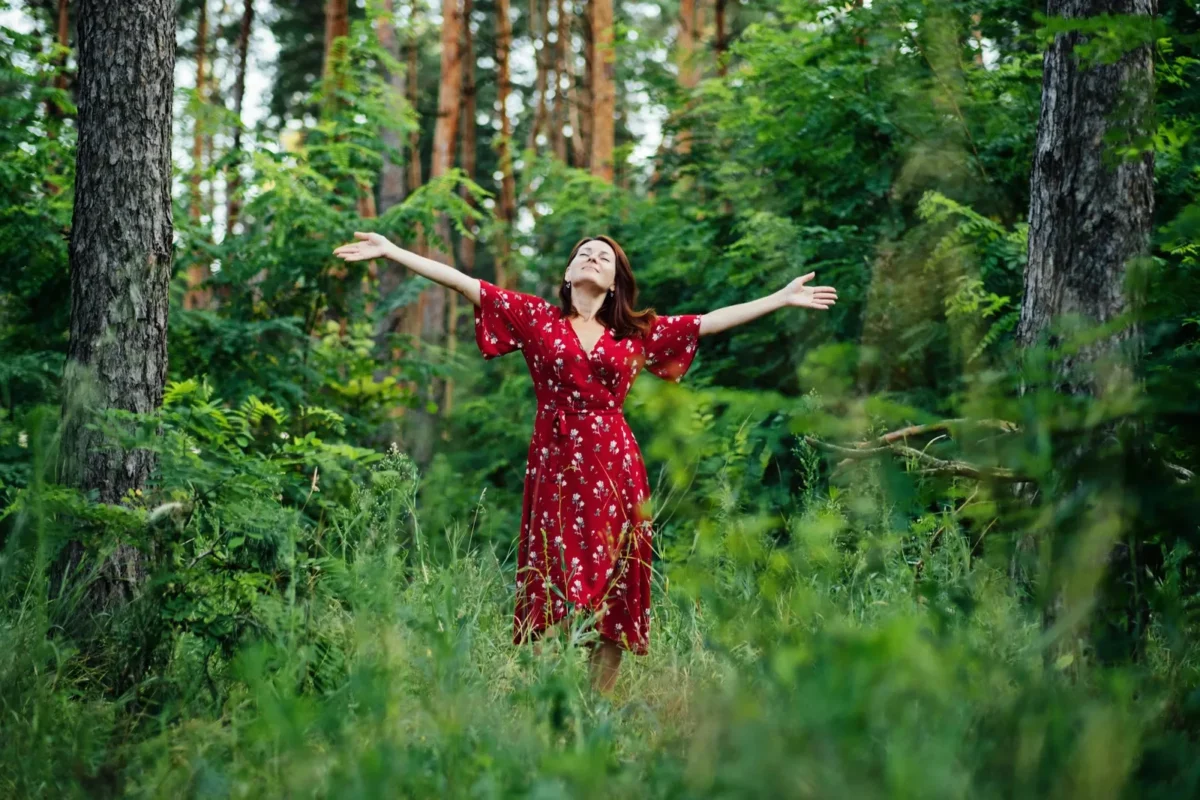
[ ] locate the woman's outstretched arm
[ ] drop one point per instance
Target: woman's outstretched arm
(795, 294)
(374, 245)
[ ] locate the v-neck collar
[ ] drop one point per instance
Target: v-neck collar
(579, 342)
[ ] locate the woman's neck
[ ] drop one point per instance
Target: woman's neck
(586, 305)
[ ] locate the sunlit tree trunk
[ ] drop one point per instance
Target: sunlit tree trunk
(233, 184)
(507, 210)
(120, 253)
(685, 60)
(197, 274)
(603, 89)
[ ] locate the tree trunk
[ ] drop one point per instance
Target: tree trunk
(120, 252)
(507, 211)
(586, 102)
(391, 180)
(721, 44)
(233, 184)
(197, 273)
(603, 89)
(558, 118)
(63, 40)
(579, 149)
(337, 25)
(1089, 215)
(685, 59)
(538, 25)
(445, 135)
(466, 245)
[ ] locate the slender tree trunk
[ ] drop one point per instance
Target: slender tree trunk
(538, 27)
(234, 182)
(120, 253)
(558, 118)
(466, 245)
(587, 106)
(1090, 213)
(63, 39)
(721, 44)
(507, 212)
(445, 135)
(197, 126)
(579, 147)
(603, 89)
(391, 182)
(197, 274)
(685, 58)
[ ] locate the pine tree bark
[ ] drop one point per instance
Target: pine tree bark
(120, 252)
(575, 115)
(337, 25)
(233, 205)
(507, 211)
(603, 89)
(1089, 213)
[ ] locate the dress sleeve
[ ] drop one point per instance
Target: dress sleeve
(671, 345)
(506, 320)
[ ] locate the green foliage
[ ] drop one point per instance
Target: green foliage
(321, 618)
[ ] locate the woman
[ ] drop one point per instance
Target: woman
(585, 530)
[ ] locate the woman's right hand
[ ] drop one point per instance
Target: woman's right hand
(368, 246)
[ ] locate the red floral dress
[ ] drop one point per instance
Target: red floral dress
(585, 526)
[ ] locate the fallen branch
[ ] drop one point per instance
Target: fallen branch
(945, 425)
(930, 465)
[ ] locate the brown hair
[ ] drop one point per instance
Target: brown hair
(617, 312)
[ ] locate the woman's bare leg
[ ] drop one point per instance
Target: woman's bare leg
(605, 663)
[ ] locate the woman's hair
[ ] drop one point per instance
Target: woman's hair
(617, 312)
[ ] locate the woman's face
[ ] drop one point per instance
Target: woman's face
(595, 263)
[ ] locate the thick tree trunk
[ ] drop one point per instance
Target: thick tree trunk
(120, 251)
(1089, 212)
(1089, 215)
(507, 211)
(233, 184)
(337, 25)
(603, 89)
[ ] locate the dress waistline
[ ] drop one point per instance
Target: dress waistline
(561, 414)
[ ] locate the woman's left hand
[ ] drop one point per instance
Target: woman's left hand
(798, 294)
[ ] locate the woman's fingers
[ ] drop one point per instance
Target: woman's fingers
(360, 235)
